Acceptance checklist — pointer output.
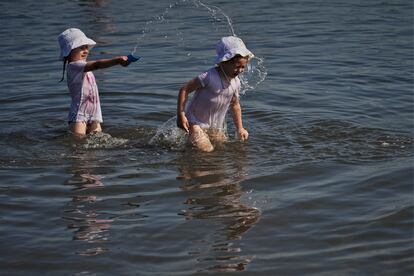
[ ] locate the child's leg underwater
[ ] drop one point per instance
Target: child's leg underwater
(94, 127)
(199, 139)
(80, 129)
(216, 136)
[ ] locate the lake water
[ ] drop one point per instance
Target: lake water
(324, 186)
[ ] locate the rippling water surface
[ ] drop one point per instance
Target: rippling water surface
(324, 186)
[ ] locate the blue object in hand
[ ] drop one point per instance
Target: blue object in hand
(132, 58)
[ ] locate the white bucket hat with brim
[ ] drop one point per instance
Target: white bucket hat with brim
(230, 46)
(73, 38)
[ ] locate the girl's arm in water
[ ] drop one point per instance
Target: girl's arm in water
(106, 63)
(237, 118)
(186, 89)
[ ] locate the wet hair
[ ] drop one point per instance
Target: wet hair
(65, 60)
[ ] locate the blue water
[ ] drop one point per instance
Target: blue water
(324, 186)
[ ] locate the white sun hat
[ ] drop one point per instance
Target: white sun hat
(73, 38)
(230, 46)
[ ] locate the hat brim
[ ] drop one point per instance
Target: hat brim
(232, 53)
(77, 43)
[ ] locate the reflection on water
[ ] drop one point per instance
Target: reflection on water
(82, 212)
(100, 17)
(216, 195)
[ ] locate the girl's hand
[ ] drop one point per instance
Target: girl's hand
(123, 60)
(106, 63)
(243, 134)
(182, 122)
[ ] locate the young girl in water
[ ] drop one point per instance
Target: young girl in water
(85, 111)
(215, 91)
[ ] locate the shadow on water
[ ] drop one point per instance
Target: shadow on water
(88, 223)
(210, 185)
(215, 195)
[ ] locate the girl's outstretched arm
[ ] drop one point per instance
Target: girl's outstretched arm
(106, 63)
(237, 118)
(189, 87)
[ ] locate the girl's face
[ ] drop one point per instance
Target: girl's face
(235, 66)
(80, 53)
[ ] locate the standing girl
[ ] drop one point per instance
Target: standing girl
(85, 111)
(215, 91)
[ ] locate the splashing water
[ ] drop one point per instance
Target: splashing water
(169, 135)
(173, 34)
(214, 12)
(255, 74)
(98, 140)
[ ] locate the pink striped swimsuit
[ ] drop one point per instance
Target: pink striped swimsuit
(85, 106)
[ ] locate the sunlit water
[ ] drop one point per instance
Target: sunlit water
(324, 186)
